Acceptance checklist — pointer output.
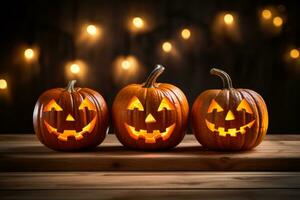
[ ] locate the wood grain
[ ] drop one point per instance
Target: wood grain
(25, 153)
(148, 180)
(241, 194)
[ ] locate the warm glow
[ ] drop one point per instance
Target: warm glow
(125, 64)
(29, 54)
(221, 131)
(167, 47)
(74, 68)
(52, 105)
(185, 33)
(277, 21)
(3, 84)
(135, 104)
(86, 103)
(150, 137)
(244, 105)
(294, 53)
(165, 104)
(150, 119)
(91, 30)
(70, 118)
(266, 14)
(229, 116)
(138, 22)
(126, 68)
(214, 106)
(228, 19)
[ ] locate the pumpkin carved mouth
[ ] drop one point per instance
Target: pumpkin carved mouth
(231, 131)
(152, 136)
(63, 136)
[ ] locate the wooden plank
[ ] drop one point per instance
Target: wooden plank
(148, 180)
(241, 194)
(25, 153)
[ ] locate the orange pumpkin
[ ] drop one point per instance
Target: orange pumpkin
(229, 119)
(150, 116)
(70, 119)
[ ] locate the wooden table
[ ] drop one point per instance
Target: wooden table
(31, 171)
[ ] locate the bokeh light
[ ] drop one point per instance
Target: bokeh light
(92, 30)
(126, 69)
(266, 14)
(29, 54)
(167, 47)
(74, 68)
(277, 21)
(138, 22)
(294, 53)
(186, 34)
(228, 19)
(3, 84)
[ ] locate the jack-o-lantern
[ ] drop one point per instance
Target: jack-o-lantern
(229, 119)
(70, 119)
(150, 116)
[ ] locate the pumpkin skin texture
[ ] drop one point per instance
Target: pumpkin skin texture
(70, 119)
(229, 119)
(150, 116)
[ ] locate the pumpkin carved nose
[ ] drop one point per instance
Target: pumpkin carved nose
(150, 118)
(70, 118)
(229, 116)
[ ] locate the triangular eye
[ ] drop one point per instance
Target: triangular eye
(135, 103)
(86, 103)
(214, 105)
(244, 105)
(165, 103)
(52, 105)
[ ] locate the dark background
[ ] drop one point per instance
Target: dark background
(256, 58)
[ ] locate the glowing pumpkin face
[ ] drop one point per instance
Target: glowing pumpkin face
(151, 115)
(149, 127)
(229, 122)
(70, 127)
(71, 118)
(229, 118)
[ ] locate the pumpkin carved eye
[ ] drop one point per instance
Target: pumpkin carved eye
(52, 105)
(244, 105)
(86, 103)
(135, 103)
(165, 103)
(214, 106)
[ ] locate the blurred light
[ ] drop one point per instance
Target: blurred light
(228, 19)
(126, 64)
(277, 21)
(166, 47)
(294, 53)
(186, 34)
(138, 22)
(266, 14)
(91, 30)
(126, 69)
(29, 54)
(3, 84)
(74, 68)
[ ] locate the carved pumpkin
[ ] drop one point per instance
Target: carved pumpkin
(150, 116)
(229, 119)
(70, 119)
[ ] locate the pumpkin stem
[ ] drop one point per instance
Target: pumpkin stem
(151, 80)
(227, 83)
(70, 86)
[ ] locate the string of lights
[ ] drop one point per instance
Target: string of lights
(271, 20)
